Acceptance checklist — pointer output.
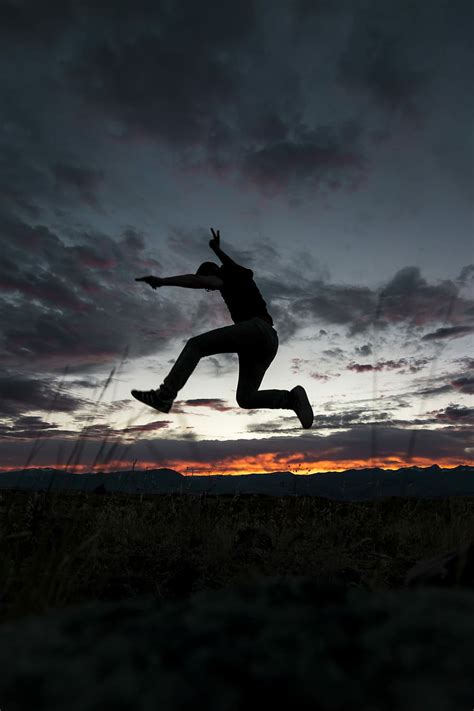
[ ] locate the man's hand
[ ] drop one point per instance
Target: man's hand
(214, 244)
(151, 280)
(215, 241)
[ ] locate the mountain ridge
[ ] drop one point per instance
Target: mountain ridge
(352, 484)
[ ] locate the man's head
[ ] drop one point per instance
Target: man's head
(208, 269)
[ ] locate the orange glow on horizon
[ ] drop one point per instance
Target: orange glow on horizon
(264, 463)
(270, 463)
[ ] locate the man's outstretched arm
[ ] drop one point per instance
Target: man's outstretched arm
(214, 244)
(189, 281)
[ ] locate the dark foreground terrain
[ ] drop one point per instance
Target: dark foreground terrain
(144, 602)
(290, 644)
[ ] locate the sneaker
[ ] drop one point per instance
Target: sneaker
(302, 406)
(151, 398)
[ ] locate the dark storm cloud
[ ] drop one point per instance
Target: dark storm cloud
(409, 292)
(337, 353)
(181, 76)
(216, 404)
(78, 304)
(33, 22)
(416, 364)
(193, 243)
(452, 332)
(305, 10)
(466, 362)
(324, 155)
(333, 420)
(412, 364)
(406, 299)
(84, 180)
(328, 303)
(365, 350)
(208, 80)
(147, 427)
(378, 58)
(436, 390)
(354, 444)
(30, 22)
(357, 418)
(17, 199)
(393, 50)
(457, 414)
(467, 275)
(464, 384)
(171, 77)
(22, 184)
(83, 383)
(162, 69)
(22, 394)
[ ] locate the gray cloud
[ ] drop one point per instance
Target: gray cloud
(324, 155)
(332, 353)
(434, 390)
(184, 81)
(457, 414)
(35, 23)
(85, 180)
(353, 306)
(323, 376)
(407, 298)
(466, 362)
(402, 364)
(465, 384)
(364, 350)
(169, 76)
(466, 275)
(378, 57)
(147, 427)
(212, 84)
(354, 444)
(216, 404)
(19, 393)
(78, 304)
(406, 288)
(449, 332)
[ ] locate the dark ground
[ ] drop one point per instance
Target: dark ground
(169, 601)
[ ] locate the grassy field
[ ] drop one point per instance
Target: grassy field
(58, 549)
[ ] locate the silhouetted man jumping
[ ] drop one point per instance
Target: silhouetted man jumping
(252, 337)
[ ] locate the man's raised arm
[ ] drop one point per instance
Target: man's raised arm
(214, 244)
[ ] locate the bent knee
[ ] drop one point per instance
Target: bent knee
(245, 400)
(193, 343)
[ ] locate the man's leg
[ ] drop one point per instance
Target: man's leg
(228, 339)
(248, 395)
(253, 366)
(251, 374)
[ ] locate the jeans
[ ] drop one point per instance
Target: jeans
(256, 344)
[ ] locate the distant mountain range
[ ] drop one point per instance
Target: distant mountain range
(350, 485)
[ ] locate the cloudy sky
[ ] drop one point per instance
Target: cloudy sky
(331, 144)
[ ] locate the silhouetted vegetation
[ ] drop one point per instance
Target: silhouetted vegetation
(61, 548)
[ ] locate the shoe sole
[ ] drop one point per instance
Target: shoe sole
(148, 399)
(303, 407)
